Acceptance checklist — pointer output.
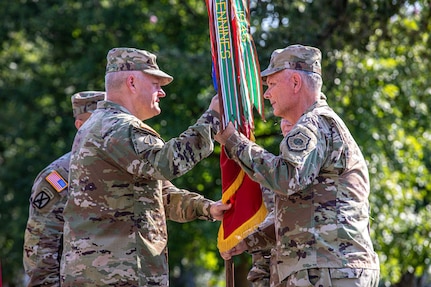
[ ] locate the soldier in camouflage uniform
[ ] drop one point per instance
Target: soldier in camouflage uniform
(260, 271)
(120, 196)
(260, 258)
(320, 180)
(44, 231)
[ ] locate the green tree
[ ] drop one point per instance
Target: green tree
(375, 60)
(376, 66)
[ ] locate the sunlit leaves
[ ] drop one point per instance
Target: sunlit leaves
(376, 66)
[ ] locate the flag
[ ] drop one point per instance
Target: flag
(56, 181)
(236, 76)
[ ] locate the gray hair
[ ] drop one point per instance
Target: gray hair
(312, 80)
(113, 81)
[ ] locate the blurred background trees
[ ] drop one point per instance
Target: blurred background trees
(376, 68)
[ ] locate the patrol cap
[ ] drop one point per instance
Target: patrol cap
(296, 57)
(131, 59)
(86, 102)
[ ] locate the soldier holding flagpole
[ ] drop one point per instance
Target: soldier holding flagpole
(320, 179)
(115, 231)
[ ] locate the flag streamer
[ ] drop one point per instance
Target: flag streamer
(249, 56)
(236, 74)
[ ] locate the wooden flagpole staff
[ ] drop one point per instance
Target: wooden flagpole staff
(230, 273)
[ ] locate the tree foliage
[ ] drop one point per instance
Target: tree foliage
(376, 64)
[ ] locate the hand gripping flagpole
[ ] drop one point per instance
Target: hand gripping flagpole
(236, 76)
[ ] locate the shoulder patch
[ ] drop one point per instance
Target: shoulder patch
(143, 139)
(298, 141)
(56, 181)
(42, 198)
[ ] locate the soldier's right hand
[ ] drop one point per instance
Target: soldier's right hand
(218, 209)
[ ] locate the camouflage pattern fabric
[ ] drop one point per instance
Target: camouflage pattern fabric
(43, 233)
(115, 219)
(86, 102)
(44, 230)
(338, 277)
(259, 273)
(260, 259)
(131, 59)
(321, 186)
(295, 57)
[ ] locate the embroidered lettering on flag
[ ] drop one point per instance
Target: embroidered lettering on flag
(56, 181)
(236, 76)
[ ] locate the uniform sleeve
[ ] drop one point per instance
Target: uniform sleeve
(264, 237)
(177, 156)
(302, 154)
(43, 234)
(268, 198)
(184, 206)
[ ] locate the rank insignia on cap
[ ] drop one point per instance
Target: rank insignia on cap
(57, 182)
(298, 141)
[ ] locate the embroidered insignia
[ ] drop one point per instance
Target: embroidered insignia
(56, 181)
(149, 140)
(42, 198)
(298, 141)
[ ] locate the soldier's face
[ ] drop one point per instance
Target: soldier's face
(285, 126)
(279, 92)
(149, 96)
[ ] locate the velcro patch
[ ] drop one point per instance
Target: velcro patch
(142, 140)
(56, 181)
(42, 198)
(298, 141)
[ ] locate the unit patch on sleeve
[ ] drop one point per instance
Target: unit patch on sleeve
(42, 198)
(56, 181)
(298, 141)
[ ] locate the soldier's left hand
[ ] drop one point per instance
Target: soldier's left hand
(218, 209)
(215, 104)
(238, 249)
(224, 135)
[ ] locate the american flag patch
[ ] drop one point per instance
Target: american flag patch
(56, 181)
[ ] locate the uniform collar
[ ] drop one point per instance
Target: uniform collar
(112, 105)
(321, 102)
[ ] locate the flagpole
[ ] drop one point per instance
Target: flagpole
(236, 79)
(229, 271)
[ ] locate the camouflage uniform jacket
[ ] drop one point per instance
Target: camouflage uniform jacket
(44, 230)
(115, 230)
(261, 258)
(321, 183)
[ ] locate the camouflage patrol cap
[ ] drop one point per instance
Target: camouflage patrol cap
(296, 57)
(131, 59)
(86, 102)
